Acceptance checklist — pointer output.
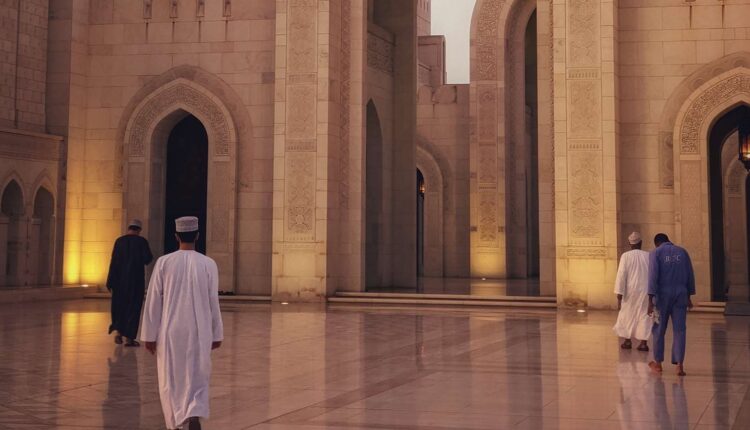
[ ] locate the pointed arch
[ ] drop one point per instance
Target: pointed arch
(434, 211)
(679, 98)
(144, 129)
(700, 110)
(43, 181)
(374, 204)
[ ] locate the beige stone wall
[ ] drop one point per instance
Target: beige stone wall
(130, 44)
(23, 63)
(443, 134)
(666, 51)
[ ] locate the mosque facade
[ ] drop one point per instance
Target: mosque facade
(324, 151)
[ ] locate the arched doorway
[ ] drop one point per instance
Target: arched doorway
(374, 199)
(12, 208)
(44, 211)
(420, 223)
(728, 214)
(186, 183)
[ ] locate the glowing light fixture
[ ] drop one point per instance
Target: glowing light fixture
(744, 138)
(581, 311)
(284, 303)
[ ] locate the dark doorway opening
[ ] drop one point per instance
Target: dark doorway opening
(374, 199)
(722, 129)
(186, 179)
(420, 223)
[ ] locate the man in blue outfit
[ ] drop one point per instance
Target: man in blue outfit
(671, 282)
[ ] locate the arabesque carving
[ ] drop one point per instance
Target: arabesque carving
(697, 112)
(300, 196)
(586, 197)
(194, 101)
(486, 44)
(379, 53)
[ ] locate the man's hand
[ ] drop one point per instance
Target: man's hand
(151, 347)
(690, 303)
(650, 307)
(619, 302)
(216, 345)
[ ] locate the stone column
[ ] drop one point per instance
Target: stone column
(306, 137)
(3, 249)
(31, 271)
(400, 18)
(585, 148)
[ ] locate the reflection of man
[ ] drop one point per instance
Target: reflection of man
(127, 282)
(631, 287)
(671, 283)
(182, 324)
(122, 389)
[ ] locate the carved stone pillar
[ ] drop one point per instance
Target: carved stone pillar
(306, 138)
(585, 149)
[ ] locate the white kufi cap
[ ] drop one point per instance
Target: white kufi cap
(634, 238)
(186, 224)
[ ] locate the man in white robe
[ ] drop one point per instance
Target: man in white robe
(631, 287)
(181, 325)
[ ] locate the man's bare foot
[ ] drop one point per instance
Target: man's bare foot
(656, 367)
(680, 370)
(643, 346)
(627, 344)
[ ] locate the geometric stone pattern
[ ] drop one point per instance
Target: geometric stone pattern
(195, 101)
(692, 124)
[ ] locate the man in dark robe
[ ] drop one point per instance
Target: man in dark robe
(127, 282)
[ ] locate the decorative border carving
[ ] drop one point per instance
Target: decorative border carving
(586, 216)
(380, 53)
(586, 253)
(346, 84)
(583, 32)
(488, 218)
(300, 196)
(487, 40)
(193, 100)
(697, 112)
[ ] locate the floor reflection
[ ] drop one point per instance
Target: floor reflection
(468, 286)
(308, 368)
(122, 406)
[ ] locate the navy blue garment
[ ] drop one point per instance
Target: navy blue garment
(671, 282)
(127, 281)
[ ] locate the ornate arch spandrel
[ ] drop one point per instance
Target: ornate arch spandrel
(677, 101)
(701, 109)
(192, 99)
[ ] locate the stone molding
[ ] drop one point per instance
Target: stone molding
(189, 97)
(675, 105)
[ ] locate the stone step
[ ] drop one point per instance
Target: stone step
(448, 297)
(424, 299)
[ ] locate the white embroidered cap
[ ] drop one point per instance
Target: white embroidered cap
(634, 238)
(186, 224)
(135, 223)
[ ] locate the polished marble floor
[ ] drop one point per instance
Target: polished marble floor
(303, 368)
